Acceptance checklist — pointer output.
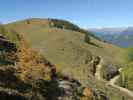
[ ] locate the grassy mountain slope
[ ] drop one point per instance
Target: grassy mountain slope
(63, 47)
(41, 34)
(127, 72)
(127, 76)
(67, 49)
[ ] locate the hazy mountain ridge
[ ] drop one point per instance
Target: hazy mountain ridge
(122, 37)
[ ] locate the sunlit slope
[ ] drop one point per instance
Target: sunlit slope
(64, 47)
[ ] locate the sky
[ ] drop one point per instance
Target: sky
(85, 13)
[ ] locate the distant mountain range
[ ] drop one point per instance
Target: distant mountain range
(122, 37)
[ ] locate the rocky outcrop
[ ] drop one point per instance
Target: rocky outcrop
(93, 65)
(10, 85)
(100, 95)
(109, 70)
(74, 91)
(6, 45)
(10, 94)
(7, 51)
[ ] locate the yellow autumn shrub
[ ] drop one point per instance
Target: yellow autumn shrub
(29, 66)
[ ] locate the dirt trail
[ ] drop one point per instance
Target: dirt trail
(124, 90)
(98, 70)
(113, 80)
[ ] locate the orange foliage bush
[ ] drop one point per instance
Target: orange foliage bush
(29, 66)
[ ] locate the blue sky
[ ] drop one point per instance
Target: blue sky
(85, 13)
